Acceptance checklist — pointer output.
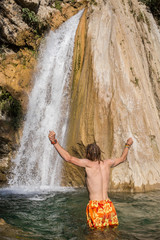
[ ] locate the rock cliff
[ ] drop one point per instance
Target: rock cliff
(115, 92)
(23, 22)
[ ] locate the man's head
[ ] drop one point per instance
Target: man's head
(93, 152)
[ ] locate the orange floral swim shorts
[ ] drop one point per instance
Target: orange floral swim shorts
(101, 214)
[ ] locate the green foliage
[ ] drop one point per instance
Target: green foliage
(130, 4)
(79, 61)
(58, 5)
(2, 49)
(33, 21)
(154, 6)
(140, 17)
(2, 52)
(93, 2)
(30, 17)
(10, 107)
(3, 56)
(148, 23)
(34, 53)
(135, 82)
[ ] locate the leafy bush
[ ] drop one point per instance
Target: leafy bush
(32, 20)
(11, 108)
(58, 5)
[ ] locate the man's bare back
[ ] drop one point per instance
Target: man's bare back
(97, 180)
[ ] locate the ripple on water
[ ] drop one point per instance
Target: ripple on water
(60, 214)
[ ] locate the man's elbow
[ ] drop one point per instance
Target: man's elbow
(68, 158)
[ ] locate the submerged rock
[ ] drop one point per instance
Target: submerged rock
(2, 222)
(9, 232)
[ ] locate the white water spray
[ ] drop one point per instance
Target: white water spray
(37, 163)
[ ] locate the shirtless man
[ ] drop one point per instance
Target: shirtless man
(100, 210)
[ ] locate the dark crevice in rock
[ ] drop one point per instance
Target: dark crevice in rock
(32, 5)
(4, 47)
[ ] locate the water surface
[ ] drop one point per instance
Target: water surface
(61, 215)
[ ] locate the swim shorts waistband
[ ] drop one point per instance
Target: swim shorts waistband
(100, 201)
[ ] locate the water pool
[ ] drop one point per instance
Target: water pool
(61, 215)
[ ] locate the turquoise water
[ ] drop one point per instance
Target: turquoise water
(61, 215)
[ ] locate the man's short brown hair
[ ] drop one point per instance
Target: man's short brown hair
(93, 152)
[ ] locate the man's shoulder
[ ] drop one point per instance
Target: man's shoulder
(89, 163)
(109, 161)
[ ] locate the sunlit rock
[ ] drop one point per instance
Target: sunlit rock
(119, 97)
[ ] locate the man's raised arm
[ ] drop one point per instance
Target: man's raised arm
(123, 157)
(65, 155)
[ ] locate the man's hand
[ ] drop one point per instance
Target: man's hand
(65, 155)
(130, 141)
(117, 161)
(52, 136)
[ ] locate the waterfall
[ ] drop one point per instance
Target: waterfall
(37, 164)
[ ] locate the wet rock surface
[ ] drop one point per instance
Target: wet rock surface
(10, 232)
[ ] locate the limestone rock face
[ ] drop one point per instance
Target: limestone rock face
(116, 94)
(11, 23)
(16, 74)
(79, 123)
(22, 28)
(31, 4)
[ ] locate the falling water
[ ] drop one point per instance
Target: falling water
(37, 163)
